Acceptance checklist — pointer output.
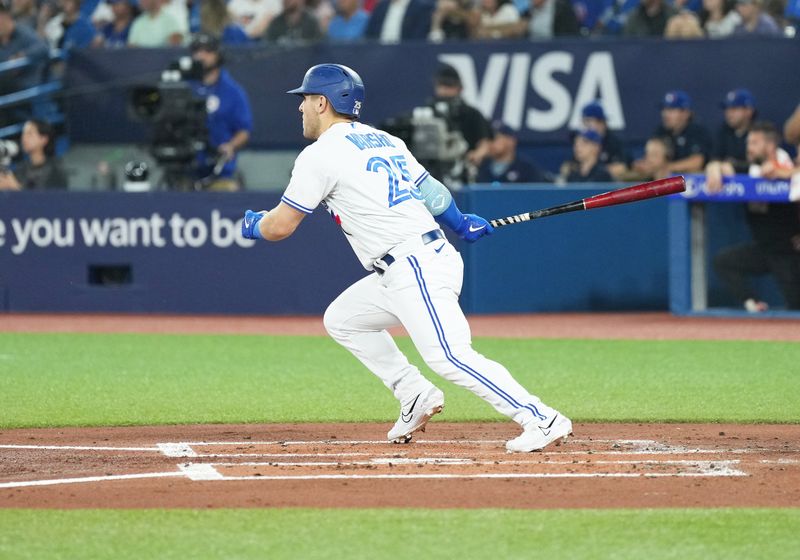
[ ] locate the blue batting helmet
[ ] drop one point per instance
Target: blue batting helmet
(340, 84)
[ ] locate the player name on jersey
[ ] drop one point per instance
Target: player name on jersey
(371, 140)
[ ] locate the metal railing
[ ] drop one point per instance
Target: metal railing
(41, 97)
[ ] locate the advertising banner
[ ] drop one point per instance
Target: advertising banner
(538, 89)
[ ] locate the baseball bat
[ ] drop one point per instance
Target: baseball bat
(643, 191)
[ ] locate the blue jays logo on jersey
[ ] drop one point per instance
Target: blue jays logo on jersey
(212, 104)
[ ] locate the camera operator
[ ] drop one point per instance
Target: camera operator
(447, 136)
(229, 118)
(469, 121)
(41, 170)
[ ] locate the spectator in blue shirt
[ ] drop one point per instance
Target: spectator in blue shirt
(586, 166)
(613, 16)
(114, 34)
(17, 41)
(229, 121)
(792, 13)
(88, 7)
(504, 164)
(349, 23)
(612, 154)
(70, 29)
(691, 141)
(754, 20)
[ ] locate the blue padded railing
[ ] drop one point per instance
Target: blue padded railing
(29, 94)
(40, 96)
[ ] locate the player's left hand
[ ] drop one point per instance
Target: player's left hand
(250, 225)
(473, 227)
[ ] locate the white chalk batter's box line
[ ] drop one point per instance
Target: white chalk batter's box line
(208, 471)
(448, 461)
(204, 472)
(634, 447)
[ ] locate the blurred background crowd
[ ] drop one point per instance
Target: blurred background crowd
(158, 23)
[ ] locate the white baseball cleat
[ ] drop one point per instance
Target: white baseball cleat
(415, 413)
(538, 436)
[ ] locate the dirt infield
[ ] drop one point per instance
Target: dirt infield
(350, 465)
(639, 326)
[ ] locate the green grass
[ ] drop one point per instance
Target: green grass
(706, 534)
(118, 379)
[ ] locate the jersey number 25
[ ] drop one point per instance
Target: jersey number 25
(396, 169)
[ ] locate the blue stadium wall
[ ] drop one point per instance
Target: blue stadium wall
(181, 253)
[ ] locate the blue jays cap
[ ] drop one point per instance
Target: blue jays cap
(593, 110)
(676, 99)
(739, 98)
(590, 134)
(499, 127)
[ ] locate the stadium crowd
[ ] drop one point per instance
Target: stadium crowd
(158, 23)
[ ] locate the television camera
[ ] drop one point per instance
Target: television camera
(178, 120)
(432, 134)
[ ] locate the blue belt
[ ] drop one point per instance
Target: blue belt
(388, 259)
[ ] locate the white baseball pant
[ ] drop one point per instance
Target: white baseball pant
(420, 292)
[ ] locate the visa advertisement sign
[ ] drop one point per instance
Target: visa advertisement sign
(536, 88)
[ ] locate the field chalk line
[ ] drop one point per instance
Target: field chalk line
(54, 481)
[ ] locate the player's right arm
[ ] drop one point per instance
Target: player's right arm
(307, 187)
(274, 225)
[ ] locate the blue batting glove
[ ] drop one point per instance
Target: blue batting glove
(250, 223)
(469, 227)
(473, 227)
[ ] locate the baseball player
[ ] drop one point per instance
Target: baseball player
(388, 207)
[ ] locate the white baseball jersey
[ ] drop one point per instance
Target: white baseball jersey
(369, 182)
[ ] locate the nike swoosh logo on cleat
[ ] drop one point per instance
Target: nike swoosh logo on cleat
(406, 416)
(440, 248)
(546, 431)
(473, 230)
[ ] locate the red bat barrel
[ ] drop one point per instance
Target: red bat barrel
(661, 187)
